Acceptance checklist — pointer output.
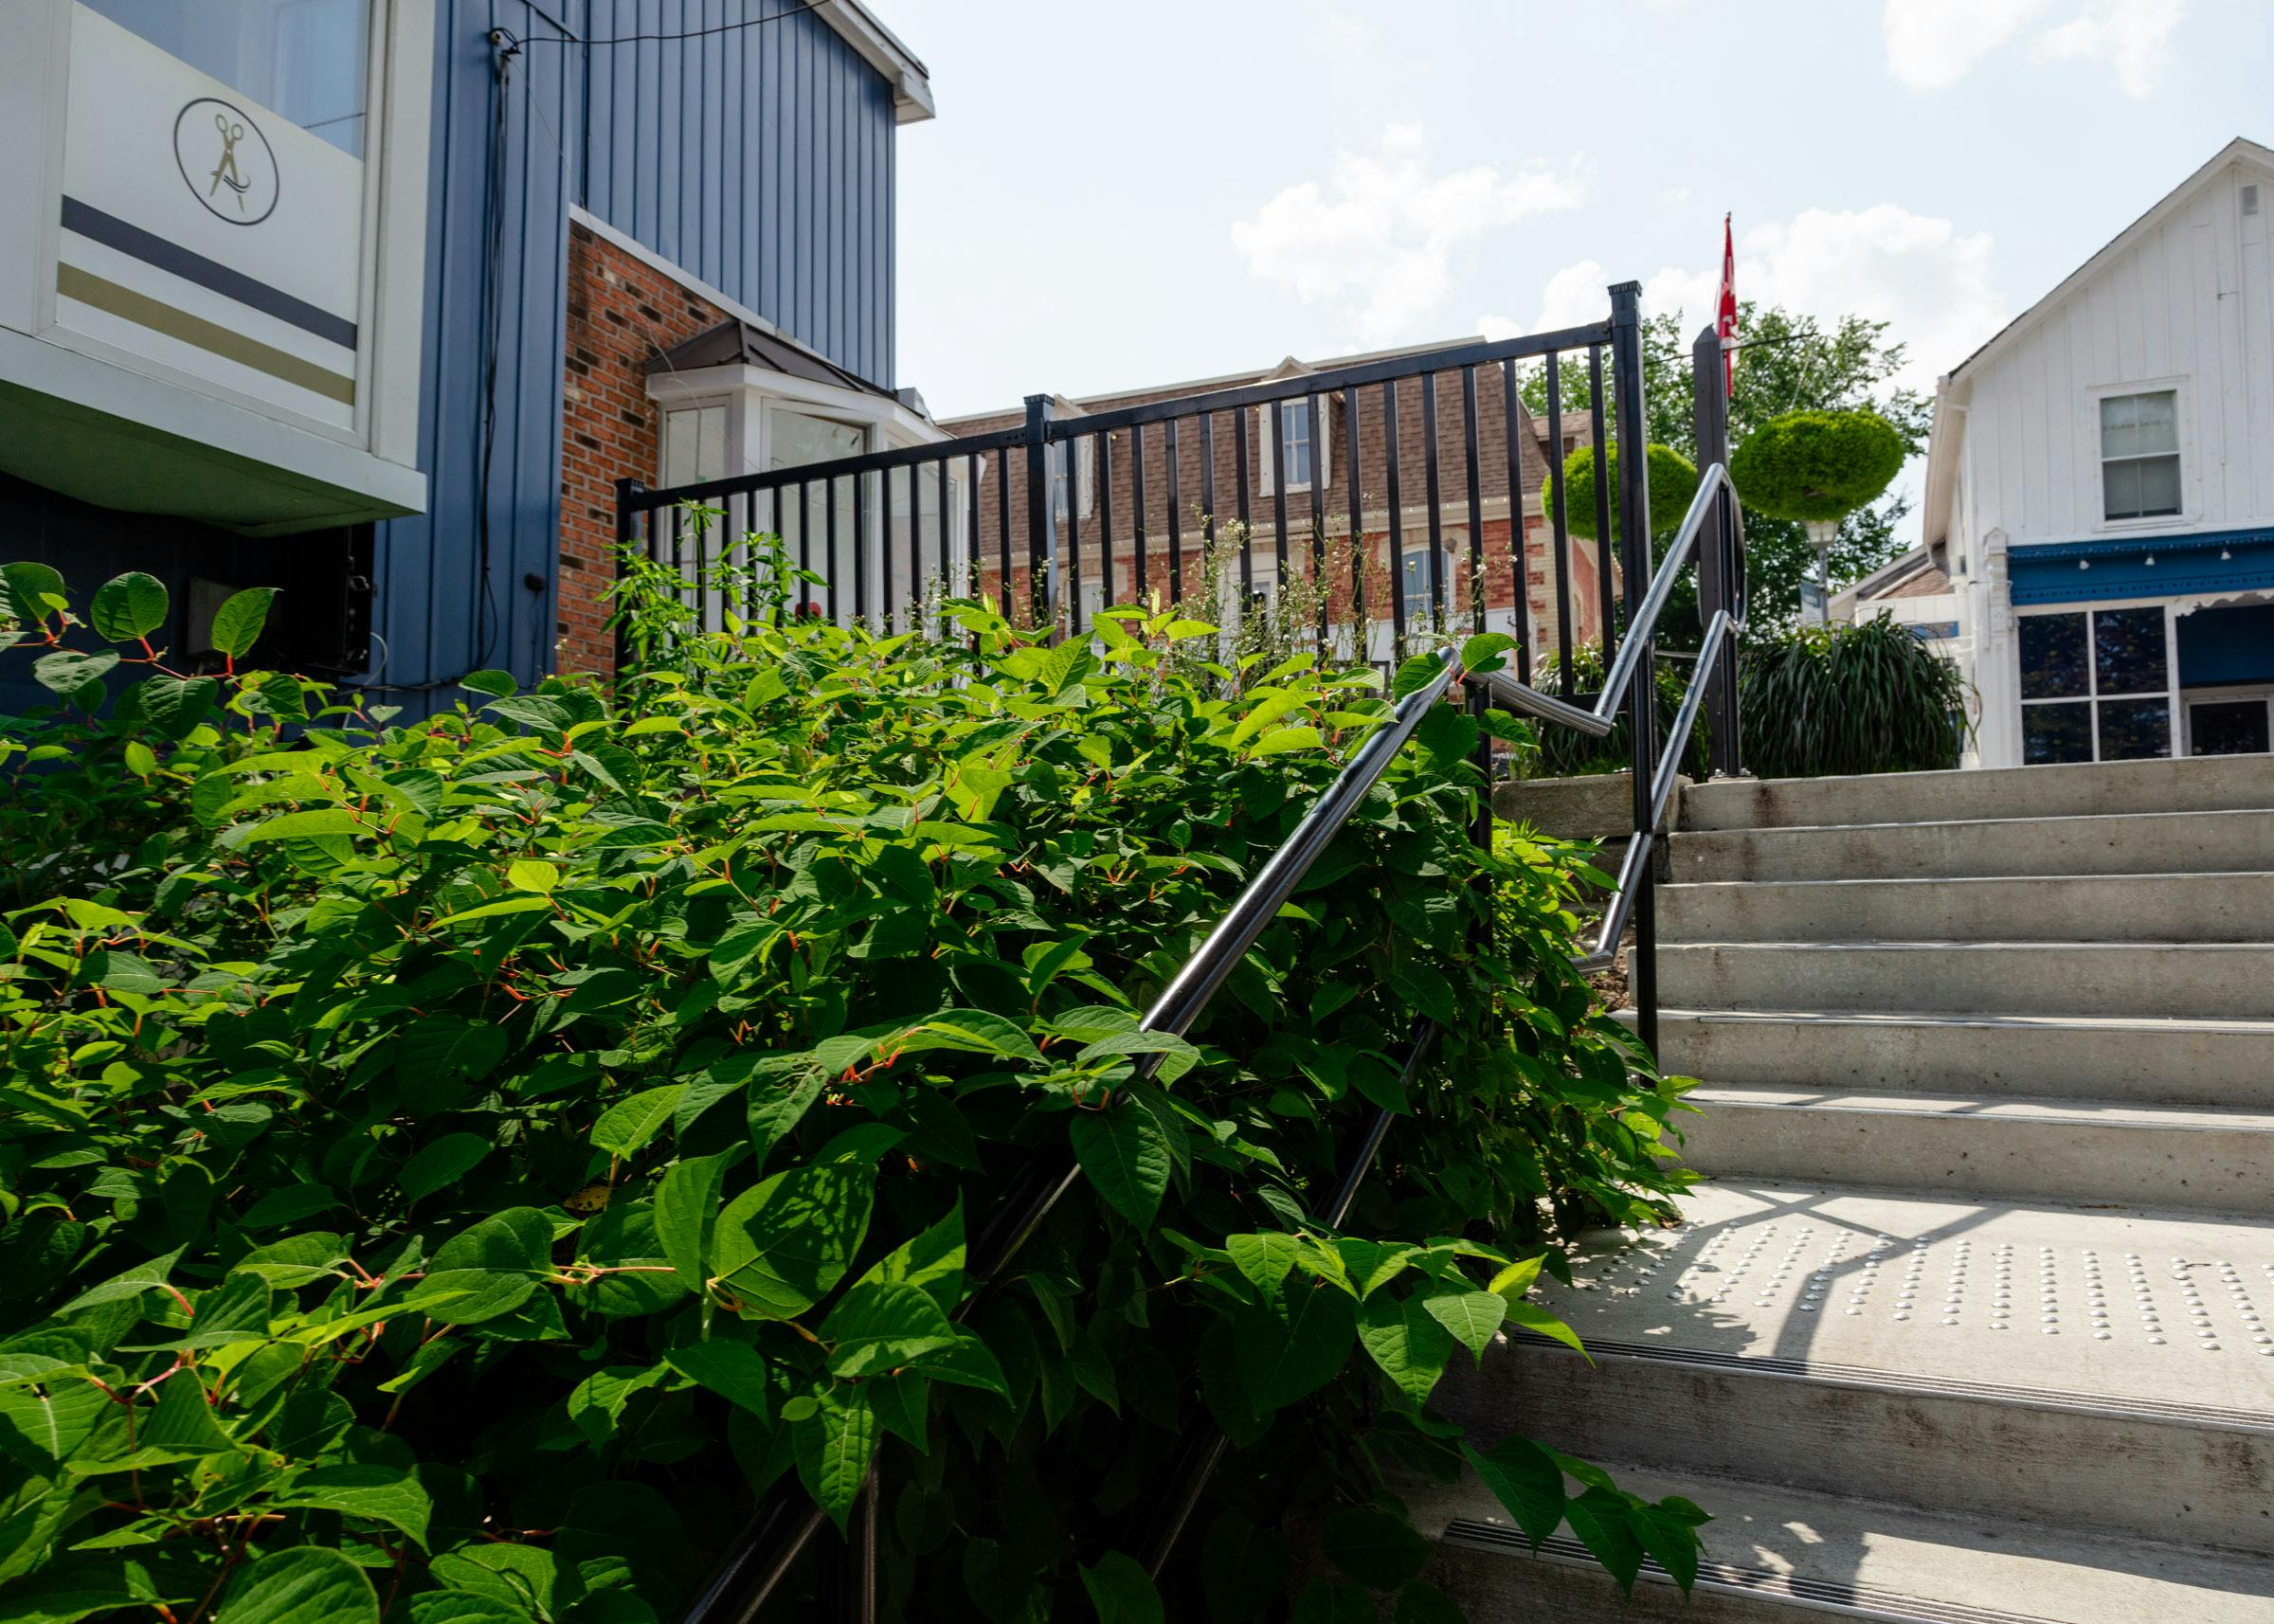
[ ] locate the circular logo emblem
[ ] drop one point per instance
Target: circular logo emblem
(226, 160)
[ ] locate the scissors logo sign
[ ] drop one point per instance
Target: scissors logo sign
(225, 161)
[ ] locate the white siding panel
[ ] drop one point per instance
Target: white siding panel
(2192, 299)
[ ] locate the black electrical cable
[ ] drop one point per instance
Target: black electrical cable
(660, 39)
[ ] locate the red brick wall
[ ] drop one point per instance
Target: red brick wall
(622, 310)
(1115, 496)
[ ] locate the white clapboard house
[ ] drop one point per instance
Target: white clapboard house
(2097, 550)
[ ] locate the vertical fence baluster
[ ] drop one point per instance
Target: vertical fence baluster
(967, 577)
(1476, 498)
(1003, 524)
(1316, 406)
(1605, 545)
(1070, 584)
(1139, 542)
(1104, 459)
(1040, 533)
(1361, 635)
(943, 521)
(1208, 493)
(1642, 693)
(1176, 519)
(839, 612)
(1247, 523)
(1390, 449)
(861, 546)
(1279, 478)
(1518, 562)
(1436, 504)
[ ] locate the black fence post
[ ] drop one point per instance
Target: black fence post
(1632, 428)
(627, 493)
(1716, 561)
(1041, 542)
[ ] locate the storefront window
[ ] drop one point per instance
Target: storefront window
(2095, 686)
(306, 60)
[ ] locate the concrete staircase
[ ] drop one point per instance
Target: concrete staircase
(1973, 1322)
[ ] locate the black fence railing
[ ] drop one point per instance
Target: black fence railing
(1710, 538)
(1392, 498)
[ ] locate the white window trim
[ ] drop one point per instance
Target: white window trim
(1321, 449)
(2091, 698)
(2089, 445)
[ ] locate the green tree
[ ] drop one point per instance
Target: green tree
(1789, 363)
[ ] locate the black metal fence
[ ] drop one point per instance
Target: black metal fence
(1391, 494)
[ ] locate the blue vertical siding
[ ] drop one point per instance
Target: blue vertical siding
(760, 159)
(440, 609)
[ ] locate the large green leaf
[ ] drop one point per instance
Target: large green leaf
(686, 1208)
(1470, 1315)
(624, 1127)
(127, 606)
(781, 1246)
(237, 623)
(835, 1445)
(1599, 1519)
(445, 1162)
(1285, 1352)
(1126, 1157)
(1374, 1547)
(876, 1327)
(305, 1584)
(1526, 1479)
(378, 1493)
(1121, 1592)
(1409, 1342)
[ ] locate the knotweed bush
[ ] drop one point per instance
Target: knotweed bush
(1867, 698)
(458, 1171)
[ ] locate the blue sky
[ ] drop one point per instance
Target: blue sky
(1116, 195)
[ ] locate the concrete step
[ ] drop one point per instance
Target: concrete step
(2145, 1061)
(1784, 1556)
(2199, 783)
(2037, 908)
(2010, 1148)
(2099, 1372)
(2198, 980)
(2137, 844)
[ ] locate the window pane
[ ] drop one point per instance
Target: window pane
(2052, 734)
(2228, 726)
(2132, 730)
(798, 438)
(2155, 419)
(2158, 485)
(307, 59)
(2129, 648)
(2052, 656)
(2119, 490)
(2117, 438)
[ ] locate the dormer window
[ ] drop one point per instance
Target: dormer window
(1302, 450)
(2139, 454)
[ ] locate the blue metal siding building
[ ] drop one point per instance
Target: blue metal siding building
(759, 159)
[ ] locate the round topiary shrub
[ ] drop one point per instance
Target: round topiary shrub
(1673, 482)
(1817, 465)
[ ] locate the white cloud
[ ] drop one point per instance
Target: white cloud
(1380, 235)
(1934, 43)
(2134, 37)
(1931, 282)
(1931, 45)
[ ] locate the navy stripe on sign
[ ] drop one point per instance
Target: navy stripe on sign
(113, 232)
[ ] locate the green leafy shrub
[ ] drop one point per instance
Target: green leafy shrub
(454, 1172)
(1817, 465)
(1868, 697)
(1673, 484)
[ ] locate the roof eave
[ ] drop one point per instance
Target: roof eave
(902, 69)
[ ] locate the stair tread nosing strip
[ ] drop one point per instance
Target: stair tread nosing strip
(1834, 1595)
(2129, 1406)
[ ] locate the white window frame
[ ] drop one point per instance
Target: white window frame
(2089, 449)
(1322, 458)
(2092, 696)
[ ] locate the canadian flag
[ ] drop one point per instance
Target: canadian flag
(1725, 323)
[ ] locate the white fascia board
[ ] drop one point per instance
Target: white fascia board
(900, 426)
(910, 79)
(310, 459)
(1945, 443)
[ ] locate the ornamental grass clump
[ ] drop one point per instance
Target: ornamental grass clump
(460, 1171)
(1868, 697)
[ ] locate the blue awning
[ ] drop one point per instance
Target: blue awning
(2164, 566)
